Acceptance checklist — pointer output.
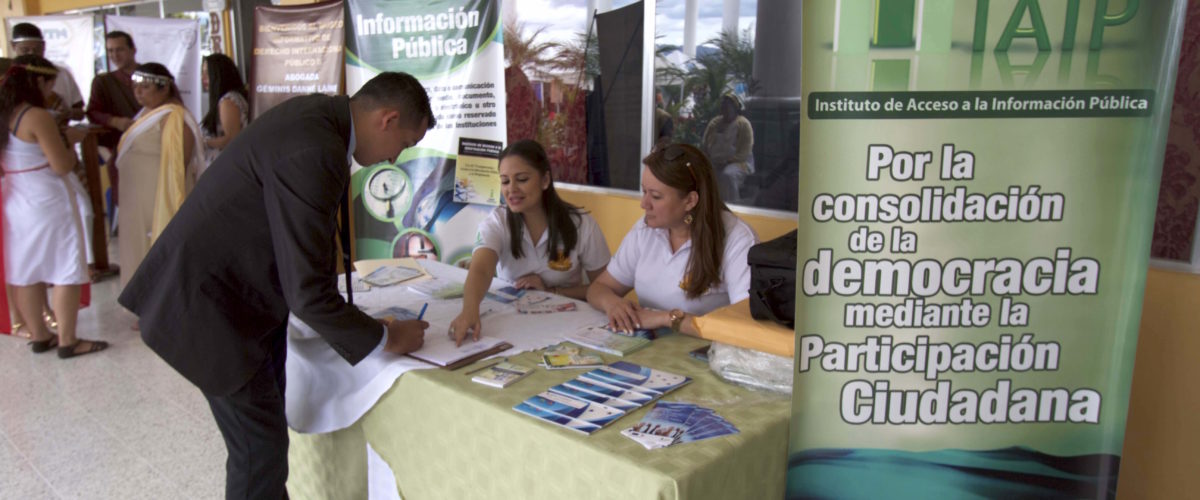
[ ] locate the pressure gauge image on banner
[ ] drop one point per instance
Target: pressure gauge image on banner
(387, 193)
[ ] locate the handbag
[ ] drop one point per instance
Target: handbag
(773, 280)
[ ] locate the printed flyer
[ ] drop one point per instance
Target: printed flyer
(977, 193)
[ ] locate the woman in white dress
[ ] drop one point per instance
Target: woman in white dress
(158, 159)
(686, 257)
(44, 240)
(228, 111)
(536, 241)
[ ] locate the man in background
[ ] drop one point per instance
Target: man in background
(112, 103)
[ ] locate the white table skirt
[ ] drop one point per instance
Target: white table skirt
(325, 393)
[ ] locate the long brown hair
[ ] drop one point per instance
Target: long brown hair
(686, 169)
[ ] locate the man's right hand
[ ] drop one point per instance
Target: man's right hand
(405, 336)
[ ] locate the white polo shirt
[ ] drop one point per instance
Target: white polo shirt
(645, 262)
(590, 252)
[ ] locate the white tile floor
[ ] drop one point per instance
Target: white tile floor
(118, 424)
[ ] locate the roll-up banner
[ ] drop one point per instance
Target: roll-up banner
(297, 51)
(454, 48)
(174, 43)
(977, 194)
(69, 43)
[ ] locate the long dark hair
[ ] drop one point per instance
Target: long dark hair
(223, 77)
(562, 235)
(19, 84)
(686, 169)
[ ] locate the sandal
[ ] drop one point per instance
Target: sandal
(17, 331)
(40, 346)
(69, 351)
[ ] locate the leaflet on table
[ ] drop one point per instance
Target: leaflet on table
(391, 275)
(439, 349)
(567, 355)
(394, 312)
(502, 374)
(680, 423)
(588, 400)
(438, 288)
(640, 376)
(591, 412)
(506, 295)
(604, 340)
(583, 382)
(556, 419)
(571, 391)
(539, 302)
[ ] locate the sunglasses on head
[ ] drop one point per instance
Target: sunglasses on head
(676, 151)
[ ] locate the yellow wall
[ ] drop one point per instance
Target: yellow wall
(616, 212)
(1162, 440)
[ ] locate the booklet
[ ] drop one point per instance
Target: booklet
(609, 391)
(501, 374)
(395, 312)
(358, 285)
(390, 275)
(646, 377)
(566, 356)
(603, 340)
(573, 392)
(578, 409)
(476, 174)
(556, 419)
(546, 307)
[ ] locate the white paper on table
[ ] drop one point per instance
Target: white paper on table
(440, 349)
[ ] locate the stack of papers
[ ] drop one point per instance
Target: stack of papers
(670, 423)
(600, 396)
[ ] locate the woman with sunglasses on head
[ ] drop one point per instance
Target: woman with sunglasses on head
(536, 241)
(158, 159)
(228, 111)
(44, 241)
(686, 257)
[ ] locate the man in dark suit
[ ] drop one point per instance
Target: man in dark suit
(255, 240)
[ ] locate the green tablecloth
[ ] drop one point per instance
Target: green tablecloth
(446, 437)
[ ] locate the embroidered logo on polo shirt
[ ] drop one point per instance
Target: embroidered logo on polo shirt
(562, 263)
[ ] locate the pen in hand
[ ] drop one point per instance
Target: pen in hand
(421, 315)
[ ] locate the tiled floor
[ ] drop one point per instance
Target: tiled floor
(118, 424)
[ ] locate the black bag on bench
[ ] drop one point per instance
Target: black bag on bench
(773, 280)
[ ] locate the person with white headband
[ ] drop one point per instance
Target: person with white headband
(158, 158)
(68, 100)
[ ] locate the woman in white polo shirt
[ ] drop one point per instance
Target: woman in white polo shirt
(686, 257)
(569, 242)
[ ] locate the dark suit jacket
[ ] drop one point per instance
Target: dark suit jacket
(110, 97)
(254, 239)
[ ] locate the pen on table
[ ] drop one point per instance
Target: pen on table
(421, 315)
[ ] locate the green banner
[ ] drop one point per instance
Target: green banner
(978, 182)
(454, 48)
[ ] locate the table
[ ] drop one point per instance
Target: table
(446, 437)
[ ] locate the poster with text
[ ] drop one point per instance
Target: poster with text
(977, 192)
(69, 41)
(174, 43)
(454, 48)
(297, 51)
